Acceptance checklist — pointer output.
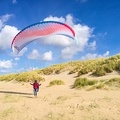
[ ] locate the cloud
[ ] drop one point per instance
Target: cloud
(34, 54)
(32, 68)
(47, 56)
(6, 64)
(6, 36)
(7, 32)
(14, 1)
(83, 34)
(92, 45)
(68, 19)
(106, 54)
(69, 52)
(4, 71)
(60, 19)
(17, 59)
(92, 56)
(4, 19)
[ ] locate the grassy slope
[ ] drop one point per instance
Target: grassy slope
(98, 67)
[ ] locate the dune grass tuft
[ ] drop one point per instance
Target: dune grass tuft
(56, 82)
(82, 82)
(106, 84)
(113, 82)
(22, 77)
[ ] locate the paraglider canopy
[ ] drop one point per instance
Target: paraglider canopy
(38, 30)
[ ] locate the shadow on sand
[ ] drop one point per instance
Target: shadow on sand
(12, 92)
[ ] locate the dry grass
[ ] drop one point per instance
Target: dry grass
(98, 67)
(56, 82)
(95, 84)
(22, 77)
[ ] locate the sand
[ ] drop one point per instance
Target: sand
(58, 102)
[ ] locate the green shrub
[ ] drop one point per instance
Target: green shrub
(108, 69)
(56, 82)
(76, 69)
(83, 71)
(22, 77)
(47, 71)
(8, 77)
(57, 71)
(72, 71)
(97, 86)
(100, 86)
(106, 84)
(113, 82)
(100, 71)
(81, 82)
(38, 71)
(117, 67)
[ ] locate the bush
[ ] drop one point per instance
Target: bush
(47, 71)
(57, 71)
(105, 84)
(22, 77)
(8, 77)
(100, 86)
(76, 69)
(117, 67)
(56, 82)
(72, 72)
(83, 71)
(113, 82)
(100, 71)
(108, 69)
(81, 82)
(26, 76)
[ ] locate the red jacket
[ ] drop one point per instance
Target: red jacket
(36, 85)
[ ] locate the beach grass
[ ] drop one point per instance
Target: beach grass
(56, 82)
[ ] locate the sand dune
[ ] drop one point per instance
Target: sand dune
(58, 102)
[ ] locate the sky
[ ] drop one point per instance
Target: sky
(95, 22)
